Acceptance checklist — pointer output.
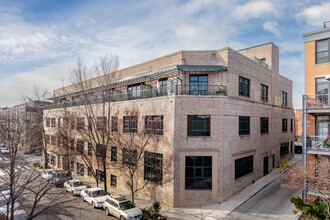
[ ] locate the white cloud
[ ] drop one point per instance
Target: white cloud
(316, 14)
(255, 9)
(272, 27)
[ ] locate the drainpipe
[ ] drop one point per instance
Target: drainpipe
(304, 136)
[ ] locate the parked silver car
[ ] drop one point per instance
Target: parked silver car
(74, 186)
(121, 208)
(94, 196)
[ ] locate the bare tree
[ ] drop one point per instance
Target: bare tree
(25, 184)
(95, 106)
(315, 178)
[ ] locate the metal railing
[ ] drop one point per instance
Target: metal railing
(318, 101)
(317, 143)
(260, 61)
(147, 92)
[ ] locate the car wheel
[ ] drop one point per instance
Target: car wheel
(122, 218)
(94, 205)
(83, 199)
(107, 211)
(73, 193)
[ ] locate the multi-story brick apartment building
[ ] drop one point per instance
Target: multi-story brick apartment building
(226, 120)
(27, 116)
(316, 102)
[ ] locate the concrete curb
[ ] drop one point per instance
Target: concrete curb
(297, 216)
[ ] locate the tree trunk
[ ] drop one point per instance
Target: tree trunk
(105, 176)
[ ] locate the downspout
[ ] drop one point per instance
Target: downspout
(304, 136)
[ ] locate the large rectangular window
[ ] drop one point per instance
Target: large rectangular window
(135, 91)
(113, 180)
(162, 87)
(322, 90)
(53, 122)
(154, 124)
(244, 125)
(284, 149)
(130, 124)
(244, 87)
(129, 157)
(101, 123)
(47, 122)
(47, 139)
(90, 149)
(198, 172)
(52, 140)
(80, 123)
(113, 154)
(243, 166)
(322, 128)
(101, 150)
(263, 125)
(80, 147)
(114, 124)
(198, 84)
(284, 98)
(199, 125)
(80, 169)
(153, 167)
(284, 124)
(264, 93)
(100, 175)
(291, 124)
(72, 166)
(322, 51)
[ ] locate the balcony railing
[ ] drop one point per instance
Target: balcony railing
(318, 101)
(147, 92)
(316, 142)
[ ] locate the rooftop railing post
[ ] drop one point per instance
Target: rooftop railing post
(304, 137)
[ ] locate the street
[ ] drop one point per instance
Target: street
(272, 202)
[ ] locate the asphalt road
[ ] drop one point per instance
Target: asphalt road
(272, 202)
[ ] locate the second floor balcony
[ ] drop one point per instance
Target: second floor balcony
(145, 93)
(318, 103)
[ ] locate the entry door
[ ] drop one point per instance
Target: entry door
(265, 166)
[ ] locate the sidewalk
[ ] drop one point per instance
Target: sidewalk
(216, 211)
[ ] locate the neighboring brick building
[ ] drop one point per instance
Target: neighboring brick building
(317, 89)
(227, 120)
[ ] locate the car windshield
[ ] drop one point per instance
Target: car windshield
(126, 205)
(2, 203)
(49, 172)
(59, 175)
(79, 183)
(98, 193)
(21, 217)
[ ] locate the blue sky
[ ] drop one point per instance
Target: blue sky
(40, 40)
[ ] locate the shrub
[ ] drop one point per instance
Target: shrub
(316, 209)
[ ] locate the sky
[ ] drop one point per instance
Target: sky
(41, 40)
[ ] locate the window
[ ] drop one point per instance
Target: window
(322, 128)
(90, 123)
(47, 122)
(101, 150)
(80, 169)
(199, 125)
(154, 124)
(130, 124)
(244, 87)
(244, 125)
(264, 93)
(59, 122)
(113, 180)
(135, 91)
(284, 99)
(198, 84)
(263, 125)
(101, 123)
(90, 149)
(322, 51)
(113, 154)
(72, 166)
(114, 124)
(153, 167)
(77, 100)
(89, 172)
(322, 90)
(284, 124)
(53, 122)
(198, 172)
(80, 123)
(129, 157)
(162, 89)
(52, 161)
(100, 175)
(47, 139)
(72, 144)
(291, 147)
(284, 149)
(80, 147)
(291, 125)
(52, 140)
(243, 166)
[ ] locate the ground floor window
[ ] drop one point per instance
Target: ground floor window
(100, 175)
(243, 166)
(89, 172)
(52, 160)
(113, 180)
(80, 169)
(72, 166)
(153, 167)
(198, 172)
(284, 149)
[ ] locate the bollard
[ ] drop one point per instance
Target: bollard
(280, 167)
